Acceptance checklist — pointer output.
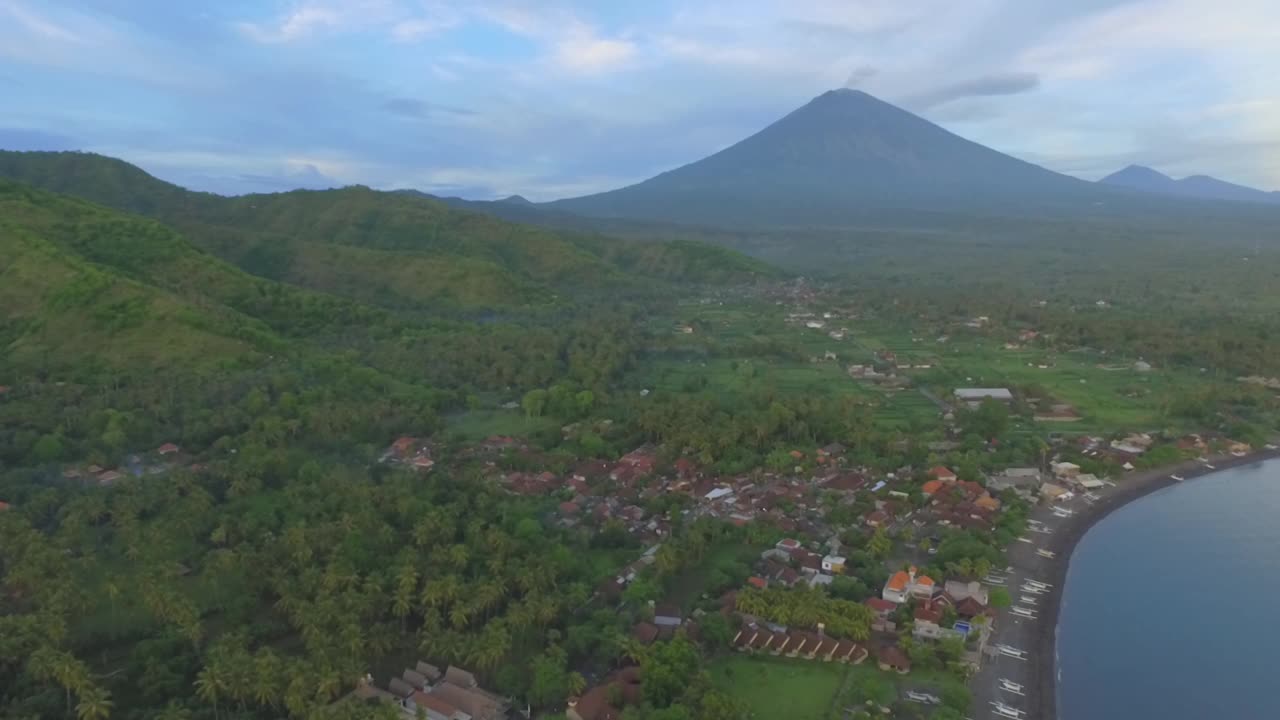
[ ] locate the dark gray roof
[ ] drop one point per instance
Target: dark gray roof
(400, 688)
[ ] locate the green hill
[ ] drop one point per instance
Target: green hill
(72, 289)
(395, 250)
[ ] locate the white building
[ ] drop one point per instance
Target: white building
(977, 395)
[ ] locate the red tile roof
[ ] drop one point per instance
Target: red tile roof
(645, 632)
(928, 613)
(881, 605)
(893, 656)
(431, 702)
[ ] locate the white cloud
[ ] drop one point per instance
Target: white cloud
(402, 21)
(582, 51)
(302, 21)
(408, 30)
(34, 23)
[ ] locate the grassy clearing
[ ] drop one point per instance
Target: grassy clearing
(686, 588)
(722, 357)
(780, 687)
(480, 424)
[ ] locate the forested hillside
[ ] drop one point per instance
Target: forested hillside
(243, 560)
(389, 249)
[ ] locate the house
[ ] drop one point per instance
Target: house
(942, 474)
(881, 607)
(895, 590)
(931, 488)
(404, 447)
(959, 591)
(970, 608)
(833, 565)
(645, 633)
(4, 506)
(1051, 492)
(667, 616)
(988, 503)
(433, 707)
(415, 679)
(1022, 479)
(423, 462)
(167, 449)
(1087, 481)
(832, 450)
(400, 688)
(598, 702)
(975, 396)
(905, 584)
(877, 518)
(459, 689)
(788, 544)
(1238, 448)
(1065, 469)
(757, 582)
(928, 621)
(891, 658)
(109, 477)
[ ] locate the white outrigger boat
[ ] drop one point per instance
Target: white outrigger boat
(1011, 686)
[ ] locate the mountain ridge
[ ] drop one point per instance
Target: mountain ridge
(391, 249)
(1146, 179)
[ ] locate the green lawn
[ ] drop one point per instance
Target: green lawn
(713, 359)
(776, 688)
(480, 424)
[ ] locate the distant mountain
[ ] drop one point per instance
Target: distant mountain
(843, 153)
(1138, 177)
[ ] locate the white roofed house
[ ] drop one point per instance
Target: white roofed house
(1023, 480)
(974, 396)
(1066, 469)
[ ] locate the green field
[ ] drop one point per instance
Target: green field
(480, 424)
(741, 346)
(777, 688)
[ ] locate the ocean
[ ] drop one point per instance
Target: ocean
(1171, 609)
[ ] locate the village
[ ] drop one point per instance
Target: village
(916, 547)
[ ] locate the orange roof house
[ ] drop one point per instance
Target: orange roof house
(931, 487)
(987, 502)
(906, 584)
(941, 473)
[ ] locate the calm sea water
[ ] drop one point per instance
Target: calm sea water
(1172, 605)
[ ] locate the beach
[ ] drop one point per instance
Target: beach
(1036, 671)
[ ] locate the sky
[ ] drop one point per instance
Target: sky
(558, 98)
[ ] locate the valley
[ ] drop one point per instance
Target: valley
(755, 437)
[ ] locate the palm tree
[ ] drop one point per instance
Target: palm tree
(209, 688)
(174, 711)
(577, 683)
(632, 649)
(95, 704)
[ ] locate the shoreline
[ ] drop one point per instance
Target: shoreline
(1043, 705)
